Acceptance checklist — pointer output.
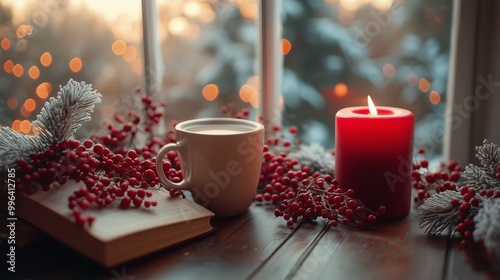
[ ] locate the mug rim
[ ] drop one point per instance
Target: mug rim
(255, 126)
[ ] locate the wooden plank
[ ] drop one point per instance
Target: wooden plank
(473, 263)
(234, 252)
(394, 250)
(292, 252)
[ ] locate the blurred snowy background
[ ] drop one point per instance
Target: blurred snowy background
(336, 52)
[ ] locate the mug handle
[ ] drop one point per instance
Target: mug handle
(182, 185)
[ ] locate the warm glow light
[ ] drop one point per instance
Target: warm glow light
(118, 47)
(247, 92)
(254, 81)
(286, 46)
(8, 66)
(16, 125)
(30, 104)
(424, 85)
(34, 72)
(350, 5)
(255, 100)
(75, 64)
(43, 90)
(389, 70)
(130, 54)
(18, 70)
(371, 106)
(381, 4)
(249, 10)
(25, 126)
(46, 59)
(178, 26)
(23, 30)
(353, 5)
(192, 9)
(12, 103)
(434, 97)
(207, 15)
(210, 92)
(25, 113)
(340, 89)
(5, 43)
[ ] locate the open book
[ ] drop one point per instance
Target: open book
(117, 235)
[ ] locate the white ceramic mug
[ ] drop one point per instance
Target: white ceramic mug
(220, 159)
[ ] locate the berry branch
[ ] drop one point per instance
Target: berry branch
(465, 202)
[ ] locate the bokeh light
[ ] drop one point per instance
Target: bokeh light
(389, 70)
(43, 90)
(210, 92)
(247, 92)
(286, 46)
(34, 72)
(178, 26)
(424, 85)
(24, 30)
(25, 126)
(5, 43)
(75, 64)
(434, 97)
(249, 10)
(8, 66)
(12, 103)
(254, 81)
(18, 70)
(340, 89)
(46, 59)
(30, 104)
(412, 80)
(16, 125)
(118, 47)
(130, 54)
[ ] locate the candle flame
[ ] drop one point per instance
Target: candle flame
(371, 106)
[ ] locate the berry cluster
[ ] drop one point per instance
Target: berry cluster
(427, 182)
(122, 134)
(468, 206)
(230, 111)
(107, 177)
(319, 196)
(302, 193)
(498, 172)
(113, 170)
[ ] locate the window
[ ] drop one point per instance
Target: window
(336, 52)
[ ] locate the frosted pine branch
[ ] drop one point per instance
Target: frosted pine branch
(62, 116)
(58, 120)
(487, 228)
(437, 214)
(15, 145)
(489, 155)
(316, 157)
(484, 177)
(476, 177)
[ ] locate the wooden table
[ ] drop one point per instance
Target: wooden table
(256, 245)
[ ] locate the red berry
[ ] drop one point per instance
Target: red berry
(371, 218)
(149, 174)
(124, 204)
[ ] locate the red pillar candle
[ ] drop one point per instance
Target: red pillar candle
(373, 156)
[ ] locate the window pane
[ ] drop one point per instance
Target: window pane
(46, 43)
(343, 50)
